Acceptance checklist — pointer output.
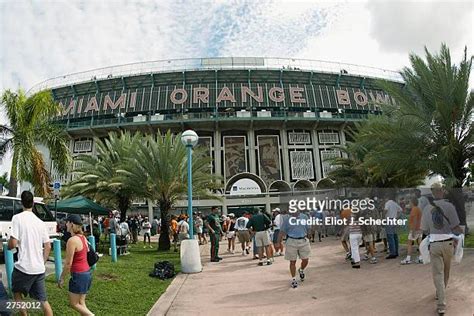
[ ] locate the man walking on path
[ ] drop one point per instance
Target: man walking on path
(393, 211)
(215, 231)
(441, 220)
(415, 231)
(258, 224)
(295, 230)
(243, 233)
(30, 235)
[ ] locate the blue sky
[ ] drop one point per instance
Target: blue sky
(44, 39)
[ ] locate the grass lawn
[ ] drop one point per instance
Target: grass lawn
(121, 288)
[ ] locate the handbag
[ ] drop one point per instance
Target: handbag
(92, 256)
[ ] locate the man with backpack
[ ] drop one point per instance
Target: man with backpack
(442, 222)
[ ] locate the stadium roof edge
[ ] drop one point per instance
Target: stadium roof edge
(216, 63)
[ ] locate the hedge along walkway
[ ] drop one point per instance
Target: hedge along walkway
(237, 284)
(121, 288)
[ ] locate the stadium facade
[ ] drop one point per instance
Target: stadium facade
(269, 124)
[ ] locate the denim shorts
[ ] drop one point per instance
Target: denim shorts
(80, 282)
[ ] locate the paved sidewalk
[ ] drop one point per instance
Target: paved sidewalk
(238, 286)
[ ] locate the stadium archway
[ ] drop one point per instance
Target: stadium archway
(303, 186)
(279, 186)
(245, 183)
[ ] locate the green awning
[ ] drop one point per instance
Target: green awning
(78, 205)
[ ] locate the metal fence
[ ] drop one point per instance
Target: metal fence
(194, 64)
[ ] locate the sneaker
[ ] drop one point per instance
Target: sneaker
(441, 311)
(294, 284)
(301, 272)
(260, 263)
(144, 247)
(232, 251)
(151, 246)
(419, 261)
(243, 253)
(269, 262)
(373, 260)
(247, 250)
(406, 261)
(365, 258)
(356, 266)
(390, 257)
(348, 256)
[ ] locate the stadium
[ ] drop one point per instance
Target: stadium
(269, 124)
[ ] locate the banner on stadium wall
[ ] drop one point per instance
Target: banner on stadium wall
(163, 98)
(245, 186)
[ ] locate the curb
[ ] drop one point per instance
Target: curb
(163, 305)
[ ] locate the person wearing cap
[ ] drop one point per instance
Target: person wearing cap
(295, 229)
(441, 221)
(30, 236)
(77, 266)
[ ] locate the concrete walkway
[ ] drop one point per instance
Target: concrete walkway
(238, 286)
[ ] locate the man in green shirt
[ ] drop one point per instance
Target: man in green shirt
(215, 231)
(258, 224)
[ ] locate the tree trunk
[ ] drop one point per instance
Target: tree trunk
(123, 205)
(164, 243)
(13, 186)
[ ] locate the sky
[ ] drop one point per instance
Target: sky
(45, 39)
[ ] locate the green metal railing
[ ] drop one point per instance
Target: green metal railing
(209, 116)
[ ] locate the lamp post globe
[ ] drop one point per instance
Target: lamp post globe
(189, 138)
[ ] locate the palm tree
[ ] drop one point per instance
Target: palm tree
(356, 170)
(3, 182)
(31, 125)
(431, 127)
(97, 177)
(158, 172)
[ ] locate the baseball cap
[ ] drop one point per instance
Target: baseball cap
(437, 185)
(74, 218)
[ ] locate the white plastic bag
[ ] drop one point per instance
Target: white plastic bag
(458, 251)
(424, 250)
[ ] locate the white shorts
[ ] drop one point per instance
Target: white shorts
(262, 239)
(297, 248)
(230, 235)
(415, 234)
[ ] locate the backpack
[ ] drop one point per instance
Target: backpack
(437, 216)
(163, 270)
(92, 256)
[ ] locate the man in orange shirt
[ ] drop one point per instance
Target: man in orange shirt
(174, 232)
(415, 231)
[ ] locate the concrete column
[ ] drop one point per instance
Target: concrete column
(317, 159)
(217, 153)
(342, 137)
(285, 155)
(252, 156)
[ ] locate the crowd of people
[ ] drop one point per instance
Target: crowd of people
(264, 235)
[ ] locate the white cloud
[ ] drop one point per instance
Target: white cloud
(408, 26)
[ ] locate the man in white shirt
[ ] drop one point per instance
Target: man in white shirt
(183, 229)
(243, 233)
(30, 235)
(393, 211)
(277, 222)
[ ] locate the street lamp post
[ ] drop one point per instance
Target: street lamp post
(189, 139)
(190, 254)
